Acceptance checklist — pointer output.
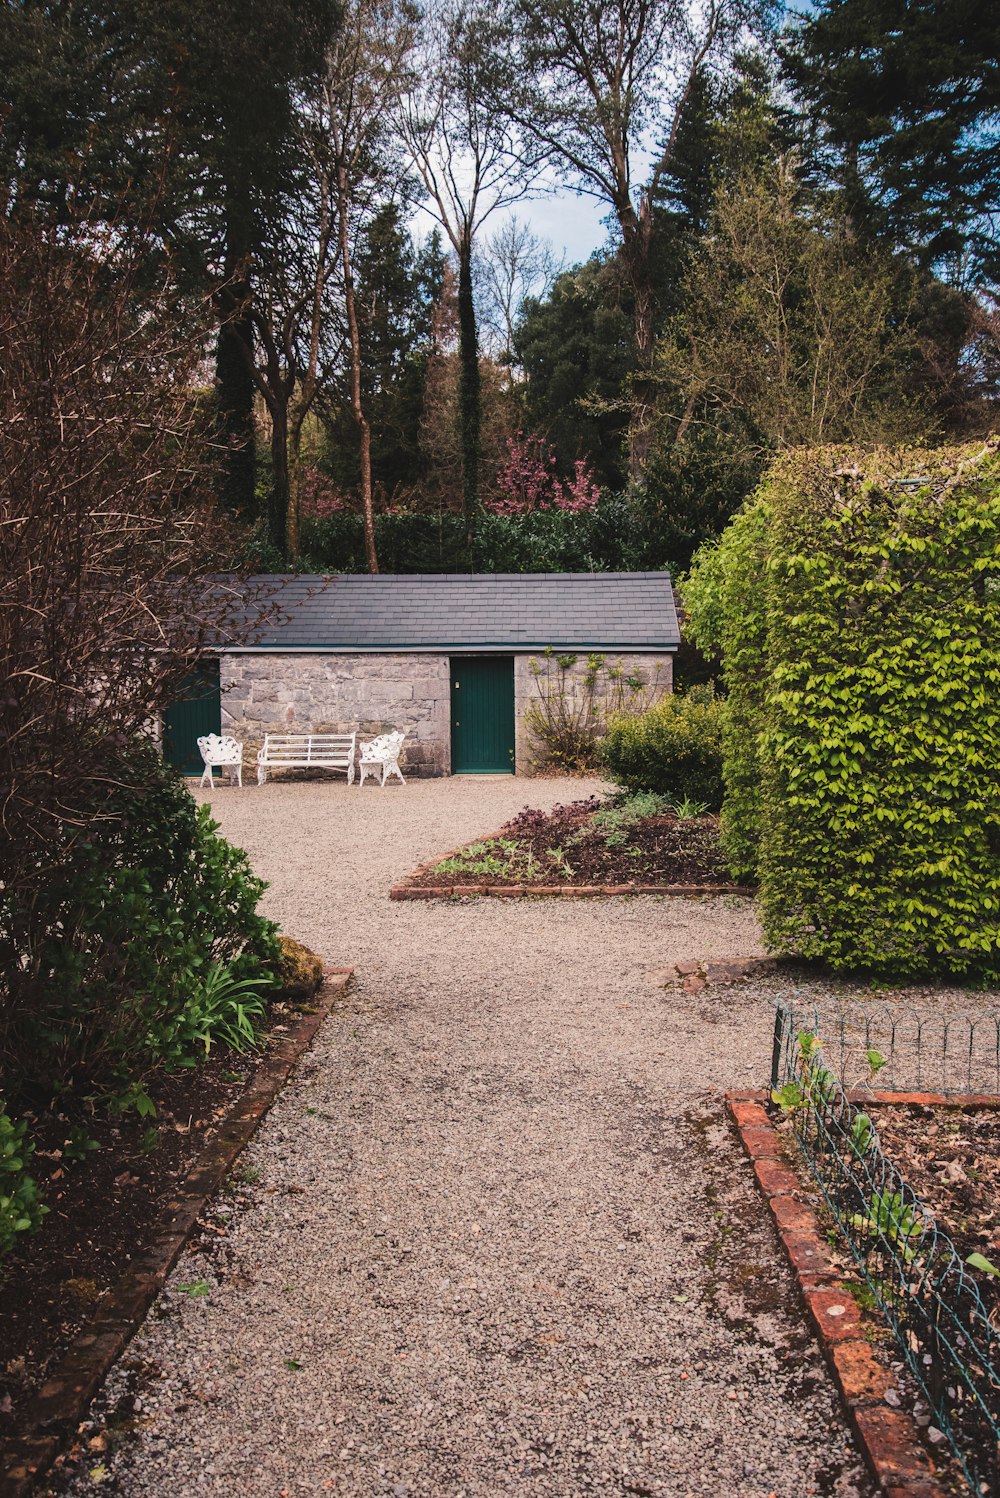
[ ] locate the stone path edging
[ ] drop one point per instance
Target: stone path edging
(888, 1437)
(55, 1411)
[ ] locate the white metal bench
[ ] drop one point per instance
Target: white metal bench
(382, 753)
(307, 751)
(220, 749)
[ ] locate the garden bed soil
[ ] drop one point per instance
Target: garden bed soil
(103, 1208)
(563, 846)
(950, 1158)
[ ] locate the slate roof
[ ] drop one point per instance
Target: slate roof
(459, 612)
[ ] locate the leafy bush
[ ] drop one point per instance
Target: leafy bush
(860, 629)
(20, 1209)
(724, 597)
(103, 948)
(674, 748)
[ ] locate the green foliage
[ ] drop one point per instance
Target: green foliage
(689, 810)
(858, 614)
(722, 594)
(888, 1215)
(496, 858)
(218, 1007)
(862, 1135)
(615, 536)
(673, 748)
(624, 811)
(575, 348)
(906, 100)
(20, 1209)
(104, 953)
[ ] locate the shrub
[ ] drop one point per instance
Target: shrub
(102, 948)
(674, 748)
(868, 706)
(724, 597)
(20, 1209)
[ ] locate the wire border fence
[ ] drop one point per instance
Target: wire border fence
(915, 1273)
(922, 1050)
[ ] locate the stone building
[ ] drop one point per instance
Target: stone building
(453, 659)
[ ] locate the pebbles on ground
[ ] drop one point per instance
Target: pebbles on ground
(495, 1237)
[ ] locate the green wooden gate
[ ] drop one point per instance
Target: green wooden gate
(482, 715)
(198, 711)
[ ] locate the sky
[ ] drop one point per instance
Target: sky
(572, 223)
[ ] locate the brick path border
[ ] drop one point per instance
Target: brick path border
(52, 1416)
(888, 1437)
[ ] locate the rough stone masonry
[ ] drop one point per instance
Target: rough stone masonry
(319, 692)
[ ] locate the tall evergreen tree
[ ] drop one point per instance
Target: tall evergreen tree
(175, 117)
(905, 99)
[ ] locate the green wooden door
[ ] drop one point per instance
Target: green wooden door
(482, 715)
(198, 711)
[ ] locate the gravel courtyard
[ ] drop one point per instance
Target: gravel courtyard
(495, 1237)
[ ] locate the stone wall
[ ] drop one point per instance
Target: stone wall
(655, 671)
(272, 692)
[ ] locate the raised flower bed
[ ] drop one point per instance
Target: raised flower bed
(634, 845)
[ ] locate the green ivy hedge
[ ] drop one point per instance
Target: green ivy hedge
(857, 613)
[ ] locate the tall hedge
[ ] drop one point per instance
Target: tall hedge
(856, 605)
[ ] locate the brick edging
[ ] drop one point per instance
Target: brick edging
(407, 891)
(53, 1414)
(888, 1437)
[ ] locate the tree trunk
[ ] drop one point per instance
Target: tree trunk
(357, 405)
(234, 390)
(469, 395)
(278, 530)
(637, 233)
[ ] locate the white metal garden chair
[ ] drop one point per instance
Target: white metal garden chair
(219, 749)
(383, 753)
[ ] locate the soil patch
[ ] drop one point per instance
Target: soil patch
(587, 843)
(105, 1182)
(950, 1157)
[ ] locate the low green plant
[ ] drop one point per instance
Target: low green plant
(20, 1209)
(674, 748)
(497, 858)
(689, 810)
(196, 1289)
(623, 811)
(888, 1215)
(79, 1144)
(220, 1007)
(981, 1262)
(103, 952)
(861, 1136)
(562, 865)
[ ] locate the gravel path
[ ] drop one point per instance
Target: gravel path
(496, 1237)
